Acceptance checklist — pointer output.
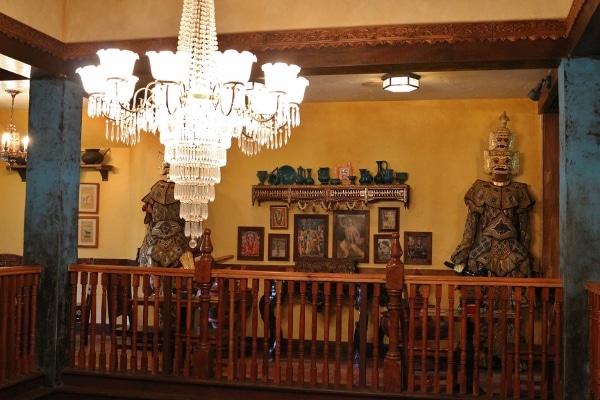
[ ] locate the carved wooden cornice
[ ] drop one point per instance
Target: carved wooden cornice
(310, 38)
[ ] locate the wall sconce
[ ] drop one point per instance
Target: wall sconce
(401, 83)
(535, 93)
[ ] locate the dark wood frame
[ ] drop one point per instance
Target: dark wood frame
(426, 243)
(93, 190)
(273, 221)
(259, 233)
(320, 223)
(340, 217)
(377, 238)
(382, 226)
(82, 241)
(271, 247)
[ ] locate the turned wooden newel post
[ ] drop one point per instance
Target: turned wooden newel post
(393, 369)
(203, 357)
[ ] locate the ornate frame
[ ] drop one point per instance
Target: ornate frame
(253, 251)
(278, 247)
(360, 220)
(314, 228)
(417, 248)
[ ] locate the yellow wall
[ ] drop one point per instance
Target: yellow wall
(439, 143)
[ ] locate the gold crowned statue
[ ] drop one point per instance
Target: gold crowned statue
(497, 233)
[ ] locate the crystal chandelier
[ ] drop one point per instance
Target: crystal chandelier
(199, 101)
(14, 150)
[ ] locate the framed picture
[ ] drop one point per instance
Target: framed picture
(351, 235)
(344, 171)
(87, 232)
(417, 248)
(310, 236)
(279, 217)
(382, 248)
(279, 247)
(251, 243)
(389, 219)
(89, 195)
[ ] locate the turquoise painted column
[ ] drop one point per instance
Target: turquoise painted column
(579, 219)
(51, 207)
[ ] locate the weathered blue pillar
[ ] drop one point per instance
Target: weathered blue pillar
(579, 219)
(51, 207)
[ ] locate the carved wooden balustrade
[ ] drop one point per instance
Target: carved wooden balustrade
(593, 290)
(18, 297)
(419, 334)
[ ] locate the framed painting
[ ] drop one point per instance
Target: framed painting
(310, 236)
(351, 235)
(417, 248)
(251, 243)
(382, 248)
(278, 248)
(279, 217)
(89, 196)
(389, 219)
(87, 232)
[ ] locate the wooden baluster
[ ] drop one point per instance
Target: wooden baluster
(134, 318)
(530, 341)
(278, 338)
(167, 324)
(146, 306)
(4, 318)
(362, 334)
(326, 324)
(438, 322)
(204, 361)
(376, 340)
(84, 322)
(10, 349)
(266, 329)
(92, 338)
(313, 339)
(231, 372)
(424, 332)
(505, 372)
(102, 364)
(289, 369)
(156, 326)
(189, 323)
(491, 298)
(393, 373)
(477, 339)
(177, 330)
(254, 348)
(517, 338)
(112, 321)
(450, 375)
(221, 305)
(125, 284)
(350, 352)
(243, 316)
(339, 292)
(557, 343)
(462, 378)
(73, 327)
(544, 345)
(410, 339)
(301, 333)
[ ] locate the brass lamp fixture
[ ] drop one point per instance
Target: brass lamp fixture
(14, 150)
(401, 82)
(535, 93)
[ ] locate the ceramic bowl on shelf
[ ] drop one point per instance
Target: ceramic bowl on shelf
(335, 181)
(401, 177)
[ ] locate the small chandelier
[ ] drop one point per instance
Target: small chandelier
(199, 101)
(401, 83)
(14, 150)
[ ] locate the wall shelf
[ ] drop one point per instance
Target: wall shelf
(329, 196)
(103, 169)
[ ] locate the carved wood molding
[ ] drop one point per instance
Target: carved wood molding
(310, 38)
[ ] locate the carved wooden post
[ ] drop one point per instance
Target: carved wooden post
(203, 355)
(393, 372)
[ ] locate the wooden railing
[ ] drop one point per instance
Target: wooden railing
(18, 297)
(369, 332)
(593, 289)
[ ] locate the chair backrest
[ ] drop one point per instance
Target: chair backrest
(332, 265)
(10, 260)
